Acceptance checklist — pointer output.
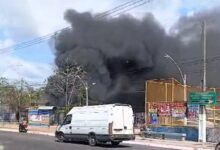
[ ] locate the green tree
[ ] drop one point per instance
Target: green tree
(18, 94)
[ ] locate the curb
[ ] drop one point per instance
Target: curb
(29, 132)
(9, 130)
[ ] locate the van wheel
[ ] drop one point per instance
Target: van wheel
(92, 140)
(115, 143)
(217, 147)
(60, 137)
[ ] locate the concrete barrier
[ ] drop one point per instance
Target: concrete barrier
(191, 132)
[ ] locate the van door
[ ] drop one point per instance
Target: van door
(128, 120)
(122, 120)
(67, 126)
(118, 123)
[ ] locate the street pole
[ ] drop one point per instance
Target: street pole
(87, 95)
(202, 112)
(184, 82)
(1, 112)
(85, 84)
(19, 102)
(66, 91)
(185, 97)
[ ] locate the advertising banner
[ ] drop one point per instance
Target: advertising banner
(38, 117)
(33, 117)
(164, 109)
(178, 110)
(152, 108)
(45, 118)
(193, 112)
(153, 118)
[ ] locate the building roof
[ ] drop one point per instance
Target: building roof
(46, 107)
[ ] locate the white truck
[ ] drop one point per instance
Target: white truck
(98, 124)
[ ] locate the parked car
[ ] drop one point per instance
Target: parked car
(98, 124)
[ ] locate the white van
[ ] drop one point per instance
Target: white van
(98, 124)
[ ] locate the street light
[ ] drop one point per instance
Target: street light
(181, 73)
(183, 76)
(85, 84)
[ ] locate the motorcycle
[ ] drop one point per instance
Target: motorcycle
(23, 127)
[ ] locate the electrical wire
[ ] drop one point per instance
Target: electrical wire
(115, 11)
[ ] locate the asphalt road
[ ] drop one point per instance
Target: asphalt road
(24, 141)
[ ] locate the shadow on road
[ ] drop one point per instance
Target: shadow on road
(111, 146)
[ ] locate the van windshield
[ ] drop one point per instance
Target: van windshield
(67, 120)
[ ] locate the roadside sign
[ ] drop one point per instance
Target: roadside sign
(202, 98)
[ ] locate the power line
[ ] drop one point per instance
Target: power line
(135, 6)
(116, 8)
(199, 61)
(115, 11)
(132, 4)
(31, 42)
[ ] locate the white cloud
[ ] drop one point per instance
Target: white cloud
(51, 15)
(6, 43)
(16, 19)
(46, 16)
(190, 13)
(31, 18)
(168, 12)
(13, 67)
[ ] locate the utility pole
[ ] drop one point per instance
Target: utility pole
(67, 84)
(2, 116)
(202, 111)
(204, 56)
(19, 102)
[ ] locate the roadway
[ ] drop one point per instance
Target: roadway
(24, 141)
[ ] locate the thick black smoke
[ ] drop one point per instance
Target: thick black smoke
(119, 54)
(189, 30)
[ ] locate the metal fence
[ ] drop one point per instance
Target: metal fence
(139, 120)
(170, 92)
(8, 114)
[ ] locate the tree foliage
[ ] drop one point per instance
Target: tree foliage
(18, 94)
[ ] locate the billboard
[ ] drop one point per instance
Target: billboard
(38, 117)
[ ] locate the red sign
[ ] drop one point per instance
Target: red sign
(164, 109)
(178, 110)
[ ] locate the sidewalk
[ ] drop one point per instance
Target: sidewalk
(170, 144)
(13, 127)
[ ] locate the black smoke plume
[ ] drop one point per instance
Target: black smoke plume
(121, 53)
(190, 32)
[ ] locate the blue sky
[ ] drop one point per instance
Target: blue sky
(24, 20)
